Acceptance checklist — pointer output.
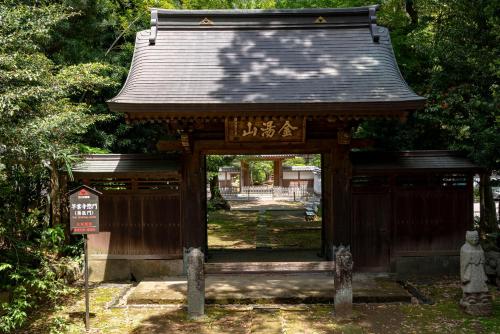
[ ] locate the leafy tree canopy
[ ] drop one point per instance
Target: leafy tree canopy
(61, 60)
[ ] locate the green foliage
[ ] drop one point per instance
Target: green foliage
(213, 163)
(450, 55)
(297, 161)
(45, 109)
(61, 60)
(260, 171)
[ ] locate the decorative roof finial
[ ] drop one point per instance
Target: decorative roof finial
(154, 26)
(372, 18)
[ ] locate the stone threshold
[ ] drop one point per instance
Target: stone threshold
(305, 288)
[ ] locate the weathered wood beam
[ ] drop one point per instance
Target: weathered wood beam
(169, 146)
(221, 147)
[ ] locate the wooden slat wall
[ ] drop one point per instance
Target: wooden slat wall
(430, 219)
(390, 220)
(371, 217)
(140, 223)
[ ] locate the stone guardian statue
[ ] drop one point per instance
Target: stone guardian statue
(476, 299)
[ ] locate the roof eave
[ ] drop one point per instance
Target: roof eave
(356, 109)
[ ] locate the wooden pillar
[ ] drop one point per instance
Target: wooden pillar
(194, 201)
(327, 204)
(336, 171)
(342, 172)
(278, 173)
(245, 175)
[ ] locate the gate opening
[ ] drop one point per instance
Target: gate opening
(264, 208)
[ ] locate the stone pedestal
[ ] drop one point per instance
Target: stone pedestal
(343, 282)
(196, 283)
(478, 304)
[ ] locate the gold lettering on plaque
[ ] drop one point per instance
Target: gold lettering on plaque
(252, 130)
(257, 129)
(286, 129)
(268, 129)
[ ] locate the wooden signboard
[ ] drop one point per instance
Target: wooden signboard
(259, 129)
(84, 210)
(84, 219)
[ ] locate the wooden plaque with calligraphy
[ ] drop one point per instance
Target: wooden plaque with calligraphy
(259, 129)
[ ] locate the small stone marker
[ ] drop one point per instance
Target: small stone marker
(343, 282)
(196, 283)
(476, 299)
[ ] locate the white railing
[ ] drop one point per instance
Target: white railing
(295, 193)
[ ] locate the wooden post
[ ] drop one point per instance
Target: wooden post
(277, 172)
(194, 201)
(245, 174)
(327, 205)
(86, 274)
(342, 171)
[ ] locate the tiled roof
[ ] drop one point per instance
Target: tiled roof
(327, 57)
(446, 161)
(125, 164)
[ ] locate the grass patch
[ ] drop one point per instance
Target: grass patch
(285, 229)
(446, 316)
(232, 229)
(289, 229)
(443, 317)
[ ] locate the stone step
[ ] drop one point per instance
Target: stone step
(268, 267)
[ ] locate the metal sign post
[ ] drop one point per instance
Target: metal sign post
(86, 273)
(84, 219)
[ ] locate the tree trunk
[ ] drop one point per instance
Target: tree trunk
(412, 12)
(214, 188)
(488, 219)
(64, 208)
(55, 196)
(216, 200)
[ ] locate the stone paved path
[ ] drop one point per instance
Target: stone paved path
(268, 289)
(262, 235)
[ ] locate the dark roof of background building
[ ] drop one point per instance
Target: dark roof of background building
(363, 162)
(213, 61)
(408, 161)
(113, 164)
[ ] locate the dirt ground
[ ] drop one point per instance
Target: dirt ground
(444, 316)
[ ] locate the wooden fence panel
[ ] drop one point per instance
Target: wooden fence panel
(431, 219)
(371, 216)
(137, 221)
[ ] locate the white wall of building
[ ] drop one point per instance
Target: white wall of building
(317, 183)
